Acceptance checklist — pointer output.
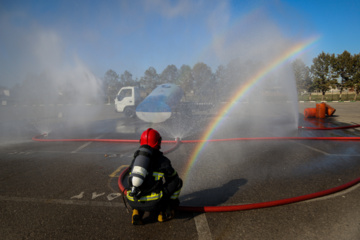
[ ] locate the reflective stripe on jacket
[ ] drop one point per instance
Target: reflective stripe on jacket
(153, 196)
(158, 176)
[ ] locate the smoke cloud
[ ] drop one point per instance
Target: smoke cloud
(43, 73)
(269, 108)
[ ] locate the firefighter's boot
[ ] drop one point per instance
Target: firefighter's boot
(166, 215)
(136, 217)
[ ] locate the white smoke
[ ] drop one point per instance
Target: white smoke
(48, 81)
(64, 72)
(268, 108)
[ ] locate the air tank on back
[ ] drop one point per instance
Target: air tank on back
(160, 103)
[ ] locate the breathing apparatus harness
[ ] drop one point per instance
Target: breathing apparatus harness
(141, 180)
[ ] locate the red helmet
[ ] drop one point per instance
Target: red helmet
(151, 137)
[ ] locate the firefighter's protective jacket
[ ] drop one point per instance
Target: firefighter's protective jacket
(161, 184)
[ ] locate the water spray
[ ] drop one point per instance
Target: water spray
(231, 208)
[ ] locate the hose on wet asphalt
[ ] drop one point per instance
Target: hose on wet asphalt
(239, 207)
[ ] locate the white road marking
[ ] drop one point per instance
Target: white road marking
(81, 147)
(346, 155)
(61, 201)
(95, 195)
(307, 146)
(314, 149)
(112, 196)
(85, 145)
(202, 227)
(337, 194)
(79, 196)
(20, 153)
(326, 153)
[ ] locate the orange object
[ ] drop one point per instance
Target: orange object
(309, 112)
(320, 110)
(329, 110)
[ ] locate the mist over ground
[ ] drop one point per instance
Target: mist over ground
(246, 47)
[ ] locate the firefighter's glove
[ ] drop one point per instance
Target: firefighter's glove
(135, 192)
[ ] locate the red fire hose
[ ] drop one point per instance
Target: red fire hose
(240, 207)
(233, 207)
(270, 203)
(329, 128)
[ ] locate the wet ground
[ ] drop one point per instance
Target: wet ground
(69, 190)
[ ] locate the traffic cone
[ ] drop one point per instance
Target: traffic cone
(320, 110)
(329, 110)
(309, 112)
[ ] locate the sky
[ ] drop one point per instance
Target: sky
(134, 35)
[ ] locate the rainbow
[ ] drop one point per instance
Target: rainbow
(284, 57)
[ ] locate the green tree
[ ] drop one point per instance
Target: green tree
(343, 65)
(309, 85)
(186, 80)
(222, 80)
(323, 75)
(169, 75)
(356, 75)
(235, 73)
(126, 79)
(204, 82)
(111, 84)
(150, 80)
(302, 77)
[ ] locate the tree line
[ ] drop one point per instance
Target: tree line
(329, 72)
(196, 81)
(201, 84)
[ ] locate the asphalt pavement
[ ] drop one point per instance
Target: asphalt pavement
(69, 189)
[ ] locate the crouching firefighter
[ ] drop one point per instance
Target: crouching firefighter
(154, 185)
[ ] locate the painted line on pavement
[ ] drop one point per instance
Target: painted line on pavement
(116, 173)
(202, 227)
(81, 147)
(61, 201)
(334, 195)
(314, 149)
(85, 145)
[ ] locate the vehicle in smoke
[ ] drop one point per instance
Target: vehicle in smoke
(127, 100)
(158, 106)
(4, 96)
